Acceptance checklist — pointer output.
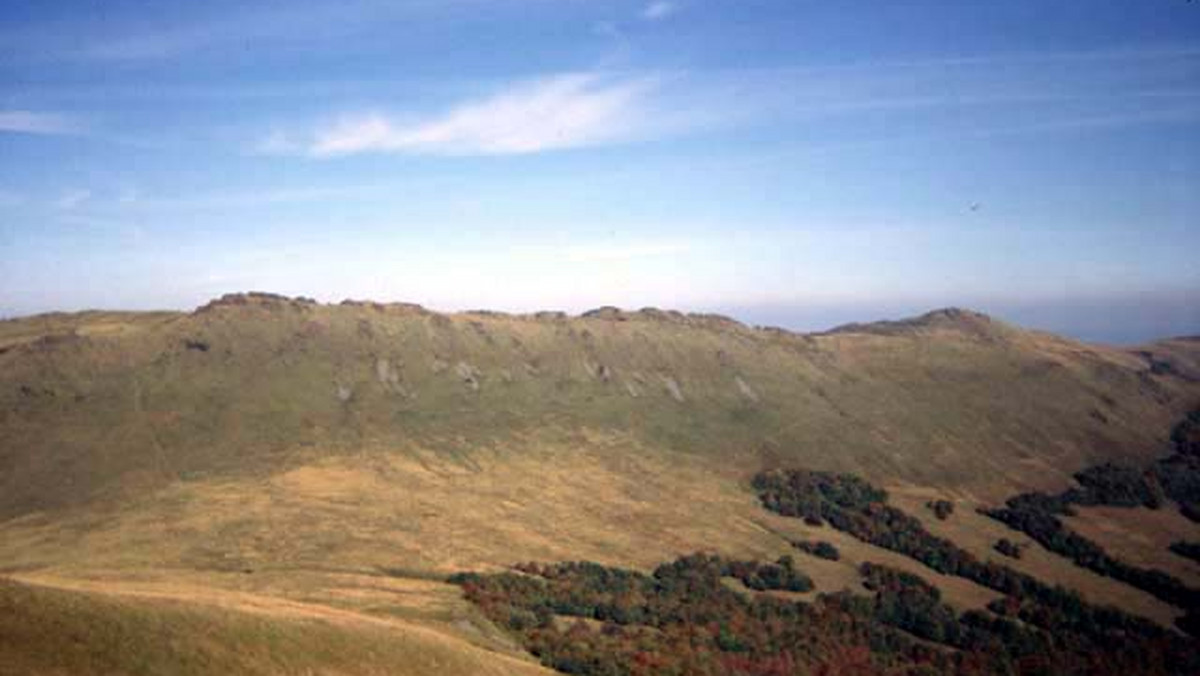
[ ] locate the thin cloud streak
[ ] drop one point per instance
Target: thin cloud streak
(554, 113)
(577, 110)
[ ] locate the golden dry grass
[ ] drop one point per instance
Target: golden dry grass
(57, 626)
(830, 576)
(977, 534)
(363, 540)
(1141, 536)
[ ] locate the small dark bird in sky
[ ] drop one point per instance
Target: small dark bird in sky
(976, 206)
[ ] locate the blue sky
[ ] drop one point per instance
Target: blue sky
(794, 163)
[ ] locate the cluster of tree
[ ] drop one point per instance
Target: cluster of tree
(870, 519)
(1051, 533)
(582, 618)
(1116, 485)
(942, 509)
(1179, 473)
(910, 603)
(1186, 435)
(1109, 484)
(1163, 652)
(818, 548)
(1191, 510)
(683, 620)
(1187, 549)
(1176, 476)
(805, 494)
(781, 575)
(1008, 548)
(1179, 476)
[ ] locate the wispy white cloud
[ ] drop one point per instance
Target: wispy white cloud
(71, 199)
(31, 122)
(660, 9)
(565, 111)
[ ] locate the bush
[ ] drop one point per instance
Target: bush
(1190, 550)
(942, 509)
(1008, 548)
(1190, 510)
(1186, 435)
(1117, 485)
(820, 549)
(780, 576)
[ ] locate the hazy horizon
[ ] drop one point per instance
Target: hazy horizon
(803, 164)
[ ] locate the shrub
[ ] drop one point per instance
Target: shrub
(1190, 510)
(1190, 550)
(1008, 548)
(942, 509)
(820, 549)
(1117, 485)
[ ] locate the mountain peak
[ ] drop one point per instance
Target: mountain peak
(950, 318)
(954, 316)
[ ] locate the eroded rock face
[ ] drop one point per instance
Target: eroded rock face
(746, 390)
(469, 375)
(673, 388)
(388, 375)
(597, 371)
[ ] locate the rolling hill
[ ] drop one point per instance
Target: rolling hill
(327, 466)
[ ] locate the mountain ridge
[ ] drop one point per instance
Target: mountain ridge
(963, 318)
(181, 389)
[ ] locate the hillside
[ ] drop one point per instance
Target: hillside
(98, 402)
(47, 630)
(350, 456)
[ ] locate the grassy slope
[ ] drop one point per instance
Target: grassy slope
(50, 631)
(309, 448)
(1140, 536)
(120, 403)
